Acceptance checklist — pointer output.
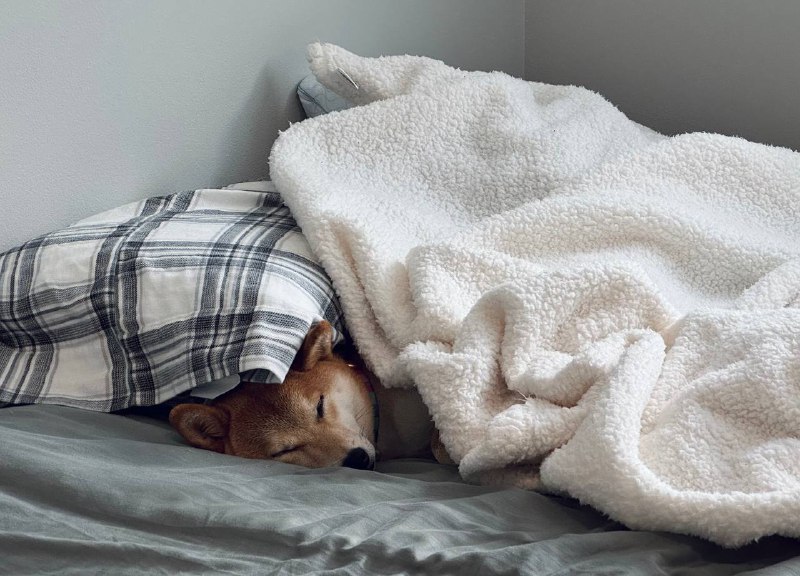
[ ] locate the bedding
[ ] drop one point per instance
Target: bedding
(92, 493)
(586, 306)
(88, 492)
(135, 305)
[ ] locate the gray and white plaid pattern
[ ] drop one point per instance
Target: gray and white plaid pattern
(138, 304)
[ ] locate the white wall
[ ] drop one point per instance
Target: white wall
(728, 66)
(107, 101)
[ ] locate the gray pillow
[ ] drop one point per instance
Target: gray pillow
(317, 99)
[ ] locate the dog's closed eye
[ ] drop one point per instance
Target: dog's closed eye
(285, 451)
(321, 407)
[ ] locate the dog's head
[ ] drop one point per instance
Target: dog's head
(320, 416)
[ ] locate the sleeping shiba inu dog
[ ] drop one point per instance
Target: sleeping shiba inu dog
(327, 412)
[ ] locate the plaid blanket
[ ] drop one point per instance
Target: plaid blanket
(138, 304)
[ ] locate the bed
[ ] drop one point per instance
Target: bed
(89, 493)
(84, 491)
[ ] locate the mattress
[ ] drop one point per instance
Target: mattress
(86, 492)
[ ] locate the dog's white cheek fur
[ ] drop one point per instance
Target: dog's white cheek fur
(353, 413)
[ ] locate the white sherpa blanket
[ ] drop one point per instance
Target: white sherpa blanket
(585, 306)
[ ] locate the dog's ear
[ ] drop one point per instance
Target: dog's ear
(202, 426)
(318, 345)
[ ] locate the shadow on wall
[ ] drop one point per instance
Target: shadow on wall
(247, 143)
(727, 66)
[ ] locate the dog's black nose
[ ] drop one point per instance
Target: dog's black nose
(358, 458)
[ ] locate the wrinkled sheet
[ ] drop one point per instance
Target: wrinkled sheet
(84, 492)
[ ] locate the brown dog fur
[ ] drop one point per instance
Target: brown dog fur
(322, 415)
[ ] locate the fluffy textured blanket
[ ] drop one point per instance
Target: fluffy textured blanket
(586, 306)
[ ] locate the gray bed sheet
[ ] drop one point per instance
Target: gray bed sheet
(86, 493)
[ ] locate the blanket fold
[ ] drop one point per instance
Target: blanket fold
(586, 306)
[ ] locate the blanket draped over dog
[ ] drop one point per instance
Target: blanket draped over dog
(586, 306)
